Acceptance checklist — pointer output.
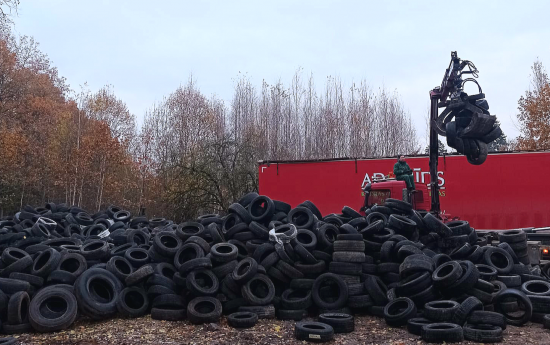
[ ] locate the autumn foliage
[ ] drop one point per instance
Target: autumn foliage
(534, 116)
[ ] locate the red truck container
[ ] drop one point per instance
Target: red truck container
(510, 190)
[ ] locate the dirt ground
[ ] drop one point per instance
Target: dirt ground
(142, 331)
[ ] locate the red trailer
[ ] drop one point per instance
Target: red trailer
(510, 190)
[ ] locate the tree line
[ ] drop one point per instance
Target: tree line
(193, 153)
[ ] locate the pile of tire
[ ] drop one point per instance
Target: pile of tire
(473, 127)
(265, 259)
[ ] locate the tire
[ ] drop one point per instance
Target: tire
(261, 208)
(479, 317)
(415, 263)
(515, 320)
(377, 290)
(401, 223)
(18, 308)
(466, 308)
(96, 291)
(245, 270)
(468, 280)
(511, 281)
(486, 272)
(345, 268)
(301, 217)
(483, 333)
(499, 259)
(484, 285)
(414, 325)
(546, 321)
(204, 310)
(120, 267)
(512, 236)
(399, 311)
(342, 292)
(442, 332)
(223, 270)
(188, 229)
(242, 320)
(296, 299)
(328, 234)
(11, 286)
(168, 314)
(202, 283)
(288, 270)
(50, 299)
(440, 311)
(95, 250)
(8, 341)
(302, 284)
(35, 281)
(195, 264)
(349, 246)
(536, 287)
(45, 263)
(224, 252)
(263, 311)
(341, 323)
(249, 293)
(296, 315)
(304, 254)
(316, 331)
(132, 302)
(20, 265)
(139, 276)
(359, 301)
(354, 257)
(60, 277)
(167, 244)
(435, 225)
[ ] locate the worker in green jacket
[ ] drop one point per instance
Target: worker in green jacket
(403, 172)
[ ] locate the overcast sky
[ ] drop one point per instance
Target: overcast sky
(146, 49)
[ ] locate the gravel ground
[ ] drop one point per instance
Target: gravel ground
(142, 331)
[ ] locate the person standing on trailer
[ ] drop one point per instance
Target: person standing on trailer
(403, 172)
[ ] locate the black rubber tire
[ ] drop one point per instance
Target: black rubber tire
(8, 341)
(479, 317)
(486, 272)
(499, 259)
(313, 331)
(139, 276)
(204, 310)
(48, 298)
(301, 217)
(132, 302)
(359, 301)
(466, 308)
(328, 234)
(249, 293)
(21, 265)
(349, 246)
(296, 299)
(345, 268)
(263, 311)
(440, 311)
(414, 325)
(442, 332)
(202, 283)
(440, 259)
(195, 264)
(536, 287)
(167, 243)
(399, 311)
(356, 257)
(546, 321)
(120, 267)
(468, 280)
(97, 301)
(340, 322)
(342, 292)
(540, 304)
(224, 252)
(511, 281)
(18, 308)
(33, 280)
(188, 229)
(377, 290)
(415, 263)
(245, 270)
(11, 286)
(45, 263)
(61, 277)
(435, 225)
(304, 254)
(302, 284)
(289, 270)
(295, 315)
(401, 223)
(512, 236)
(95, 250)
(515, 320)
(483, 333)
(169, 313)
(242, 319)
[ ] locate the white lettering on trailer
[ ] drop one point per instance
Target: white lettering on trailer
(420, 177)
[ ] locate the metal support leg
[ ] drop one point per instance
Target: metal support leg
(434, 151)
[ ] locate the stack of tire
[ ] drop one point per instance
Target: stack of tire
(263, 259)
(517, 242)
